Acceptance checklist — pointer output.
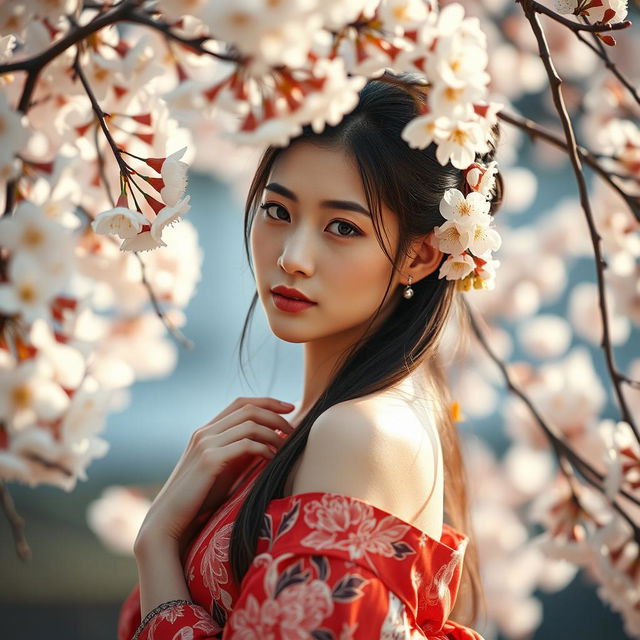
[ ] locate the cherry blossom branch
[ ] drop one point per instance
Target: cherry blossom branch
(101, 168)
(34, 65)
(562, 450)
(534, 130)
(558, 99)
(17, 523)
(195, 44)
(155, 303)
(572, 24)
(125, 11)
(100, 115)
(124, 171)
(175, 332)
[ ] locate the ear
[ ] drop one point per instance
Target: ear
(424, 257)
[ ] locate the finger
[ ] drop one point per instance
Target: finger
(260, 415)
(246, 430)
(265, 402)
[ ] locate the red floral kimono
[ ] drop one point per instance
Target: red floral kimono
(327, 567)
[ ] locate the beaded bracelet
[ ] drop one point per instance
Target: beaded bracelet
(158, 609)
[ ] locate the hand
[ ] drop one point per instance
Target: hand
(216, 454)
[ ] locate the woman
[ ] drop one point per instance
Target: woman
(329, 523)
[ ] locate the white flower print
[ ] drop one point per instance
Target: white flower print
(213, 570)
(294, 612)
(170, 614)
(438, 591)
(395, 625)
(350, 525)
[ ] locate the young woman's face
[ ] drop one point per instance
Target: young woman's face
(309, 237)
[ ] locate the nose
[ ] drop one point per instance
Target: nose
(297, 253)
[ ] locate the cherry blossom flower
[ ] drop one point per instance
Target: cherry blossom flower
(28, 230)
(453, 102)
(545, 335)
(482, 179)
(406, 14)
(586, 318)
(460, 145)
(595, 11)
(167, 217)
(26, 395)
(482, 239)
(337, 13)
(453, 236)
(174, 176)
(339, 95)
(278, 33)
(465, 210)
(14, 132)
(487, 271)
(456, 266)
(420, 132)
(120, 221)
(30, 288)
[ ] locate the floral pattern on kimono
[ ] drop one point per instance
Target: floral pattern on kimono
(328, 566)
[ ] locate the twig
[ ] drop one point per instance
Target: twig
(572, 24)
(171, 328)
(175, 332)
(554, 83)
(124, 171)
(101, 169)
(536, 131)
(17, 523)
(195, 44)
(599, 49)
(123, 12)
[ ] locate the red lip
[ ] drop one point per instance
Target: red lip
(294, 294)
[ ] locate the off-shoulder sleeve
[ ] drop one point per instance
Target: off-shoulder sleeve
(331, 566)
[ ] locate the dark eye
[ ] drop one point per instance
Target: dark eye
(343, 225)
(346, 225)
(268, 205)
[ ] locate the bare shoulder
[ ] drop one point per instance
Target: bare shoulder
(379, 450)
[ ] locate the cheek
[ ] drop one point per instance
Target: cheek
(362, 273)
(261, 246)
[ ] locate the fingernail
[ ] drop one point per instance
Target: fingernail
(286, 404)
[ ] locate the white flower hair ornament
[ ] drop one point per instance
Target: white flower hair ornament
(467, 235)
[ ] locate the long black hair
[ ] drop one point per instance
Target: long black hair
(411, 182)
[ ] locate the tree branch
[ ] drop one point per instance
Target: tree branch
(598, 48)
(555, 82)
(571, 24)
(17, 523)
(534, 130)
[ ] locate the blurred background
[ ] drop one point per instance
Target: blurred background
(73, 587)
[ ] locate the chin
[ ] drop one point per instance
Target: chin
(288, 334)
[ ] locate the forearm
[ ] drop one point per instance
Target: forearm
(160, 574)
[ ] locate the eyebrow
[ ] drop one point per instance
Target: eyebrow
(347, 205)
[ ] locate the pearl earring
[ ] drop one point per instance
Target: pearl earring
(408, 292)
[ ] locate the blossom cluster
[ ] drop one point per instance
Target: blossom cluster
(467, 234)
